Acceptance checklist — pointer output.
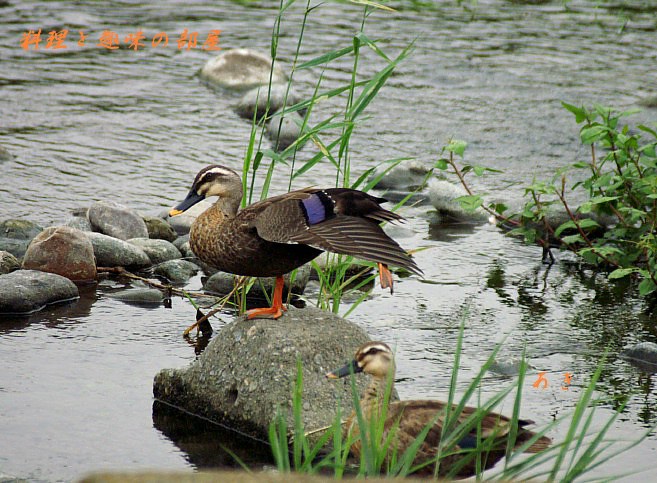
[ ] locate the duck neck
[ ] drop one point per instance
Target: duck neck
(228, 205)
(374, 395)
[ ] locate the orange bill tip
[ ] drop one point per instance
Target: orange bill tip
(174, 212)
(332, 375)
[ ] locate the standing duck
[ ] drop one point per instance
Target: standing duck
(274, 236)
(409, 418)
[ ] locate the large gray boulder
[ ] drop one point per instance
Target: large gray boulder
(63, 250)
(158, 251)
(248, 371)
(241, 69)
(116, 220)
(26, 291)
(112, 252)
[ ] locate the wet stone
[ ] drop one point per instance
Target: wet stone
(139, 296)
(19, 229)
(26, 291)
(643, 355)
(284, 130)
(240, 369)
(16, 247)
(177, 271)
(116, 220)
(222, 283)
(443, 196)
(158, 251)
(255, 100)
(8, 263)
(159, 229)
(63, 250)
(112, 252)
(241, 69)
(406, 176)
(82, 223)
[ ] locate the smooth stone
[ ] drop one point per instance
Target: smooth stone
(643, 355)
(255, 101)
(146, 296)
(249, 369)
(159, 229)
(158, 251)
(16, 247)
(183, 222)
(177, 271)
(19, 229)
(284, 130)
(180, 241)
(241, 69)
(116, 220)
(5, 155)
(26, 291)
(443, 195)
(82, 223)
(408, 175)
(62, 250)
(112, 252)
(222, 283)
(506, 367)
(8, 263)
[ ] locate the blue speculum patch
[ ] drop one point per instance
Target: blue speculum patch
(315, 209)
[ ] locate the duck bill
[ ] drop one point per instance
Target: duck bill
(349, 368)
(192, 198)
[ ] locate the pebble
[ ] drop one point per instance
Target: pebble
(117, 221)
(26, 291)
(241, 69)
(158, 251)
(62, 250)
(159, 229)
(177, 271)
(112, 252)
(8, 263)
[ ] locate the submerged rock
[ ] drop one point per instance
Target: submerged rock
(159, 229)
(284, 130)
(139, 296)
(406, 176)
(63, 250)
(117, 221)
(177, 271)
(643, 355)
(26, 291)
(222, 283)
(241, 69)
(8, 263)
(443, 196)
(158, 251)
(248, 371)
(112, 252)
(255, 101)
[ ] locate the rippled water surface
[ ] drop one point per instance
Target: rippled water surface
(86, 124)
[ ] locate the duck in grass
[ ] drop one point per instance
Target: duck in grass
(273, 237)
(407, 419)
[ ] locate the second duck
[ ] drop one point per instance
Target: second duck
(274, 236)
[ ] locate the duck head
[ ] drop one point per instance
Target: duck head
(213, 180)
(374, 358)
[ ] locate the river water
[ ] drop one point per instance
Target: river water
(87, 124)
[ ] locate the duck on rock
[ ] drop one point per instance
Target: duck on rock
(406, 420)
(274, 236)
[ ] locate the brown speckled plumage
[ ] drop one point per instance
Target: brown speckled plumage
(408, 418)
(276, 235)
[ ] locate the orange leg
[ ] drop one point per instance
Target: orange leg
(385, 276)
(276, 310)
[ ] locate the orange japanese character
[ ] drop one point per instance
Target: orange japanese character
(31, 37)
(56, 39)
(567, 378)
(189, 39)
(109, 40)
(134, 40)
(158, 38)
(212, 42)
(82, 38)
(541, 379)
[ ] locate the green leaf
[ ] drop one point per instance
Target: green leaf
(646, 286)
(593, 133)
(621, 273)
(580, 113)
(441, 164)
(471, 202)
(570, 239)
(457, 147)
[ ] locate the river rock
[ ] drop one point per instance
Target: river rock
(222, 283)
(241, 69)
(116, 220)
(249, 369)
(139, 296)
(443, 196)
(159, 229)
(643, 355)
(81, 223)
(255, 101)
(284, 130)
(8, 263)
(63, 250)
(26, 291)
(180, 241)
(19, 229)
(177, 271)
(408, 175)
(112, 252)
(16, 247)
(158, 251)
(183, 222)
